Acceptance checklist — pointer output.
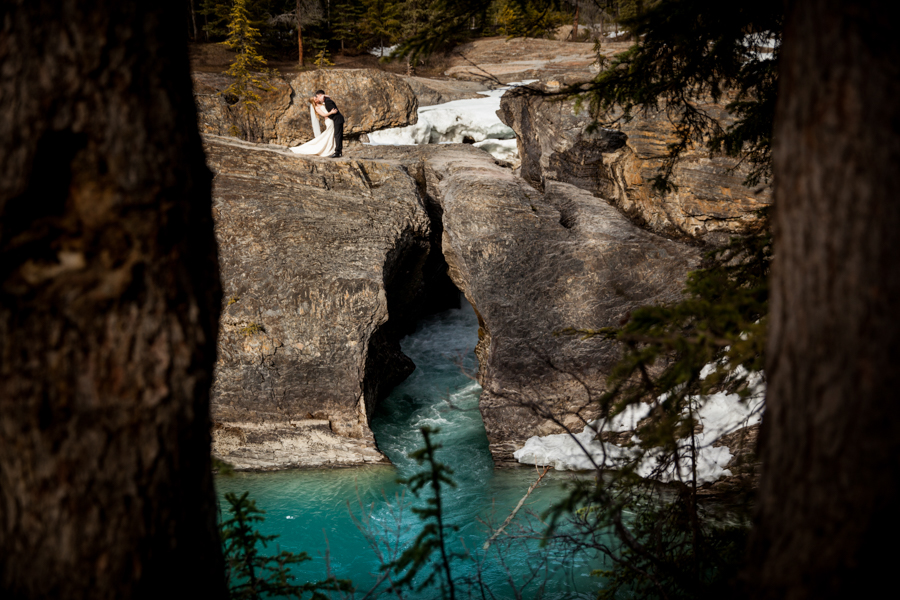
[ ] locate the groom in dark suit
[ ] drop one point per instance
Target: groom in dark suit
(335, 115)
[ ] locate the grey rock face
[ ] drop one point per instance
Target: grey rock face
(316, 256)
(437, 91)
(323, 262)
(516, 59)
(534, 265)
(710, 204)
(370, 100)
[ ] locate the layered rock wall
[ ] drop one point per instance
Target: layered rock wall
(324, 261)
(710, 202)
(320, 260)
(534, 265)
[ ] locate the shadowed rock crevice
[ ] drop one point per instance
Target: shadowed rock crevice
(415, 284)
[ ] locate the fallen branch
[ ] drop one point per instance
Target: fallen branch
(512, 515)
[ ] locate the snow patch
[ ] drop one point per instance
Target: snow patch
(473, 119)
(507, 150)
(720, 414)
(383, 50)
(760, 46)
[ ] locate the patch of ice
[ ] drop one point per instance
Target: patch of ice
(628, 419)
(760, 46)
(720, 414)
(576, 452)
(383, 51)
(453, 122)
(507, 150)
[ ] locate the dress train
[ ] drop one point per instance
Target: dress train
(321, 145)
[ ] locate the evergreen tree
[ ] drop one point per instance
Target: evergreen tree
(250, 573)
(217, 13)
(415, 16)
(433, 537)
(243, 38)
(688, 51)
(527, 18)
(668, 548)
(303, 13)
(381, 22)
(271, 18)
(347, 24)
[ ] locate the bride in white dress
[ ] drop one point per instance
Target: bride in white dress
(323, 143)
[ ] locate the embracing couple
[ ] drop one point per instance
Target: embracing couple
(331, 141)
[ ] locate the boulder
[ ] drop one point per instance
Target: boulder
(320, 263)
(369, 99)
(711, 203)
(221, 114)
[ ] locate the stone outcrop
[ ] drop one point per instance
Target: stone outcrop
(370, 100)
(515, 59)
(320, 262)
(438, 91)
(534, 265)
(710, 202)
(322, 266)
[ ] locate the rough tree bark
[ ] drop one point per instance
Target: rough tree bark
(109, 304)
(830, 489)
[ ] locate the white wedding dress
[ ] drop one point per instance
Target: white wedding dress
(321, 145)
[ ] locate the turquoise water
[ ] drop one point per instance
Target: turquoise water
(352, 520)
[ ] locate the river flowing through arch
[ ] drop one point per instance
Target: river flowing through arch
(319, 511)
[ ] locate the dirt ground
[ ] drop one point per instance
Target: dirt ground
(215, 58)
(493, 57)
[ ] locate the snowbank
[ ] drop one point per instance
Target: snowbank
(720, 415)
(760, 46)
(382, 51)
(506, 150)
(453, 122)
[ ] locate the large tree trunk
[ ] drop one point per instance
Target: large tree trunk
(109, 304)
(830, 489)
